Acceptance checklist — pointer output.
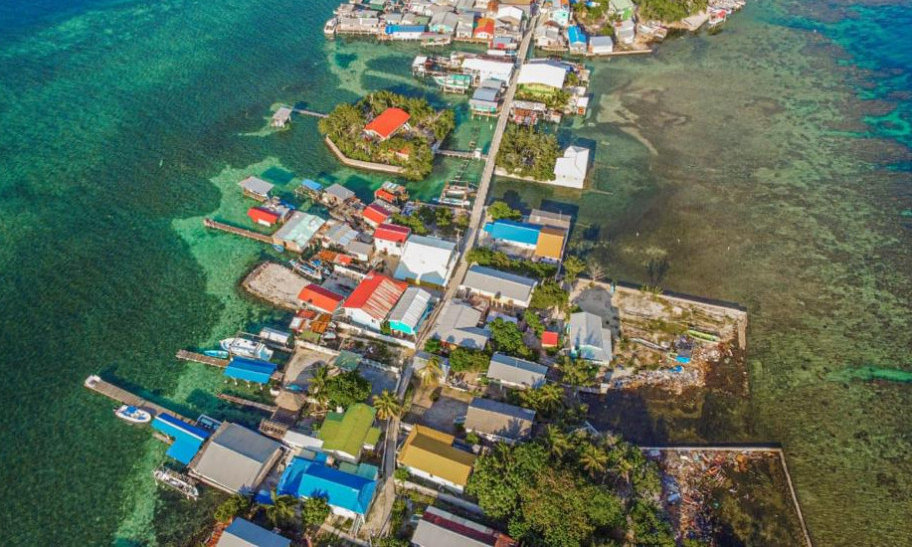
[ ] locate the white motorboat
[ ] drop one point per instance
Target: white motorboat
(243, 347)
(133, 414)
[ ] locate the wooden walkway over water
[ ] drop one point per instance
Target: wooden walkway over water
(462, 154)
(247, 402)
(122, 396)
(249, 234)
(305, 112)
(193, 357)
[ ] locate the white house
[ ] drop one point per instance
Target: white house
(427, 260)
(601, 45)
(570, 170)
(543, 74)
(502, 287)
(484, 69)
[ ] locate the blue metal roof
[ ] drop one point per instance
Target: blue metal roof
(251, 370)
(187, 438)
(516, 232)
(305, 478)
(393, 29)
(311, 185)
(576, 35)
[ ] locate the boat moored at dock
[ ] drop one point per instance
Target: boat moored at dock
(132, 414)
(217, 353)
(243, 347)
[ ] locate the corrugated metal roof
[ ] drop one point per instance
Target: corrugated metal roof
(491, 281)
(411, 307)
(300, 228)
(243, 533)
(251, 370)
(550, 243)
(501, 419)
(256, 185)
(433, 452)
(305, 478)
(235, 457)
(376, 295)
(588, 338)
(516, 371)
(458, 324)
(443, 529)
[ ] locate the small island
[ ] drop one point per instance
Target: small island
(390, 131)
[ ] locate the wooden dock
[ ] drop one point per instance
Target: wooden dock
(305, 112)
(461, 154)
(122, 396)
(247, 402)
(185, 355)
(249, 234)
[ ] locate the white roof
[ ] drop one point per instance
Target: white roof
(510, 11)
(300, 228)
(283, 113)
(588, 338)
(489, 68)
(458, 324)
(516, 371)
(256, 185)
(574, 163)
(426, 259)
(411, 307)
(491, 281)
(552, 75)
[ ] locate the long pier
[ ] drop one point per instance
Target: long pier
(247, 402)
(249, 234)
(193, 357)
(462, 154)
(305, 112)
(122, 396)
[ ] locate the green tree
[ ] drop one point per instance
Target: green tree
(507, 338)
(647, 527)
(432, 345)
(534, 322)
(387, 405)
(318, 384)
(314, 512)
(500, 210)
(347, 389)
(593, 460)
(280, 510)
(469, 360)
(232, 507)
(577, 372)
(557, 441)
(529, 153)
(549, 295)
(573, 266)
(432, 373)
(546, 399)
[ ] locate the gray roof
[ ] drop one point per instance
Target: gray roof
(547, 218)
(359, 248)
(458, 324)
(411, 306)
(516, 371)
(340, 192)
(256, 185)
(588, 338)
(507, 285)
(340, 234)
(601, 41)
(496, 418)
(445, 529)
(235, 457)
(485, 94)
(243, 533)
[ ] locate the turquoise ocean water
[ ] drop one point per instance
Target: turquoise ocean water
(770, 162)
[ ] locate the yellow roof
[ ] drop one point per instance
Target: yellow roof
(550, 242)
(432, 451)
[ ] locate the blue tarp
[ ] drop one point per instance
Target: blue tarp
(305, 478)
(515, 232)
(251, 370)
(187, 438)
(312, 185)
(575, 35)
(396, 29)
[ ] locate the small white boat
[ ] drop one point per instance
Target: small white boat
(133, 414)
(243, 347)
(177, 481)
(329, 29)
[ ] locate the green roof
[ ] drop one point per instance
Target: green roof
(348, 432)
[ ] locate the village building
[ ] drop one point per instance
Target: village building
(404, 32)
(375, 214)
(517, 234)
(338, 234)
(504, 42)
(457, 325)
(243, 533)
(623, 8)
(484, 29)
(372, 301)
(281, 117)
(502, 288)
(444, 22)
(485, 101)
(570, 170)
(390, 239)
(548, 218)
(336, 195)
(516, 373)
(391, 193)
(427, 260)
(387, 124)
(527, 112)
(348, 495)
(542, 78)
(488, 69)
(625, 31)
(548, 36)
(430, 455)
(560, 13)
(588, 339)
(235, 459)
(550, 339)
(256, 188)
(499, 422)
(550, 244)
(466, 26)
(321, 299)
(296, 234)
(439, 528)
(264, 216)
(601, 45)
(576, 39)
(411, 310)
(361, 250)
(346, 435)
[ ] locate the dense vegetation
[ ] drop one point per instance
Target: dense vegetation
(527, 152)
(424, 218)
(412, 150)
(347, 389)
(507, 338)
(468, 360)
(549, 295)
(499, 260)
(572, 489)
(669, 10)
(500, 210)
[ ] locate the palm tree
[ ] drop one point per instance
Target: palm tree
(432, 373)
(387, 405)
(317, 386)
(593, 459)
(557, 441)
(595, 269)
(281, 510)
(550, 397)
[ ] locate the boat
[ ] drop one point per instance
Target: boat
(177, 481)
(243, 347)
(217, 353)
(133, 414)
(329, 29)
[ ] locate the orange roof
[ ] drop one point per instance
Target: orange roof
(376, 213)
(320, 298)
(388, 122)
(549, 339)
(376, 295)
(485, 24)
(261, 214)
(550, 243)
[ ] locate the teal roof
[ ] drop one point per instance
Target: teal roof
(515, 232)
(305, 478)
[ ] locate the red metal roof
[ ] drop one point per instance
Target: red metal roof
(549, 339)
(320, 298)
(376, 295)
(392, 232)
(261, 214)
(485, 25)
(376, 213)
(388, 122)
